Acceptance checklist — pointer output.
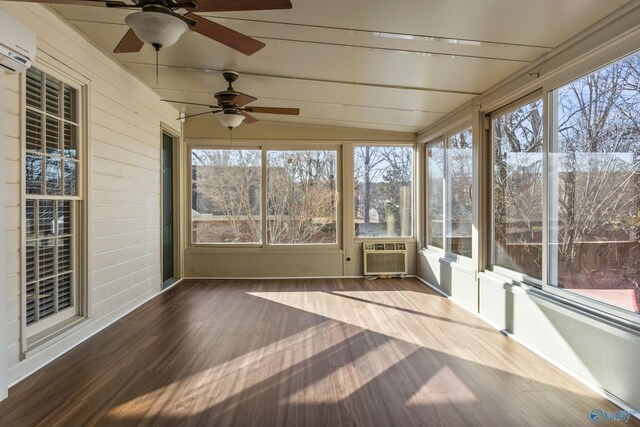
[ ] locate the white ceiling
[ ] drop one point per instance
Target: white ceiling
(326, 58)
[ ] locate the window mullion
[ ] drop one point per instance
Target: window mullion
(263, 196)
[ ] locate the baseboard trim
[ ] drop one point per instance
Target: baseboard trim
(90, 335)
(285, 277)
(587, 383)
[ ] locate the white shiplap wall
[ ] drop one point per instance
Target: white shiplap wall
(124, 145)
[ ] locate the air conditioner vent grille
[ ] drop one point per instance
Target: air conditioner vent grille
(385, 258)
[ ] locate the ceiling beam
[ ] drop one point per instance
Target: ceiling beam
(425, 37)
(307, 79)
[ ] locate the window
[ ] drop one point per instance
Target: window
(435, 192)
(226, 196)
(51, 201)
(517, 189)
(383, 193)
(594, 220)
(459, 180)
(301, 197)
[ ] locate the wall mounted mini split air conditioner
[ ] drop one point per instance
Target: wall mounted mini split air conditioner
(17, 45)
(384, 258)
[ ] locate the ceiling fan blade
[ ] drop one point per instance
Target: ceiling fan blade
(248, 118)
(274, 110)
(236, 5)
(243, 99)
(99, 3)
(190, 103)
(199, 114)
(224, 35)
(129, 43)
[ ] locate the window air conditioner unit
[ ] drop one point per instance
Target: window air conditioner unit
(384, 258)
(17, 45)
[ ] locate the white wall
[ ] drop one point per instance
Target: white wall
(123, 196)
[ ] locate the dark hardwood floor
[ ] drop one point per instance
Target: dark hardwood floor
(344, 352)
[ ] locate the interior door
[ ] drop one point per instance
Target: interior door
(167, 207)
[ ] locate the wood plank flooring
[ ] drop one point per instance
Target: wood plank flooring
(343, 352)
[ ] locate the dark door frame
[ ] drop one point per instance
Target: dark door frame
(175, 152)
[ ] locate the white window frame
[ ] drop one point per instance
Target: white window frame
(265, 245)
(600, 308)
(503, 271)
(32, 336)
(414, 158)
(427, 193)
(451, 256)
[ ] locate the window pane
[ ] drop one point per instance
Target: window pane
(64, 218)
(31, 260)
(31, 303)
(435, 187)
(46, 218)
(459, 186)
(34, 131)
(301, 197)
(30, 223)
(33, 172)
(34, 88)
(53, 177)
(70, 141)
(595, 186)
(52, 136)
(46, 252)
(70, 178)
(64, 254)
(70, 103)
(383, 193)
(46, 298)
(226, 196)
(517, 189)
(53, 95)
(65, 290)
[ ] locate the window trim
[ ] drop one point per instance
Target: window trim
(601, 311)
(451, 256)
(550, 133)
(414, 157)
(491, 266)
(33, 337)
(264, 245)
(427, 197)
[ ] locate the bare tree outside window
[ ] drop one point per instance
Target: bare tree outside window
(459, 185)
(301, 197)
(435, 188)
(517, 189)
(595, 186)
(226, 196)
(383, 178)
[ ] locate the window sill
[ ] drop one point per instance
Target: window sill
(271, 250)
(46, 338)
(454, 261)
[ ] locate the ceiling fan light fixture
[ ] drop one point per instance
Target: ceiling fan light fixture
(156, 28)
(230, 120)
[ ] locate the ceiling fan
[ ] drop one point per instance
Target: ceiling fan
(231, 110)
(159, 25)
